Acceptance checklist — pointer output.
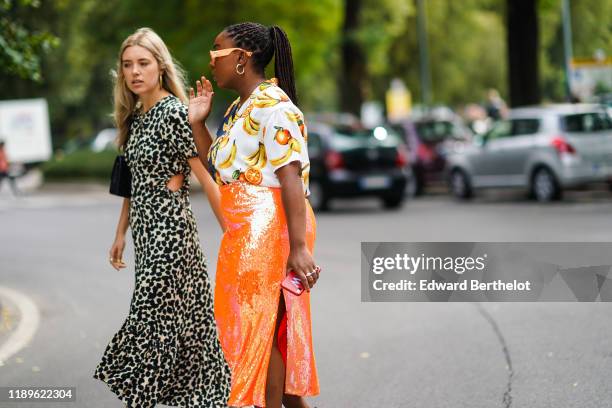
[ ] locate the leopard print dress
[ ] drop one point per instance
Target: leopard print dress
(167, 351)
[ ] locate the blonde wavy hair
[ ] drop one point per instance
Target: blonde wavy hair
(125, 101)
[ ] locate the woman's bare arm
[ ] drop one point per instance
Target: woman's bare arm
(116, 251)
(211, 189)
(124, 219)
(299, 260)
(203, 140)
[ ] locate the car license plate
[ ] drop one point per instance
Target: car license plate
(375, 182)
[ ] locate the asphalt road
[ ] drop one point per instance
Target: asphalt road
(53, 248)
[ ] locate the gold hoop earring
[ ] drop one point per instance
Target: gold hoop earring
(238, 69)
(161, 85)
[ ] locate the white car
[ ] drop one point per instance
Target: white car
(105, 139)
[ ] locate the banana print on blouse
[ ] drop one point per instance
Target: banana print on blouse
(256, 139)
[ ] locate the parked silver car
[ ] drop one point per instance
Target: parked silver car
(543, 149)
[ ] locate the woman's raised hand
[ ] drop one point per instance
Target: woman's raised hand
(200, 101)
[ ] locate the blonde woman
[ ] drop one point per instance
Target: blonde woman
(167, 351)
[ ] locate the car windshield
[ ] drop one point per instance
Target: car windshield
(348, 138)
(436, 131)
(586, 122)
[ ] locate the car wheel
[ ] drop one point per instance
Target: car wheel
(460, 184)
(393, 201)
(544, 186)
(319, 201)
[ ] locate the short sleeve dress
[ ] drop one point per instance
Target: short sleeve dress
(167, 351)
(254, 140)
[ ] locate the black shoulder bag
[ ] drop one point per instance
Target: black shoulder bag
(121, 178)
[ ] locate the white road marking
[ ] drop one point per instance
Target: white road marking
(28, 323)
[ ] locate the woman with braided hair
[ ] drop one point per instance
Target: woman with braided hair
(260, 160)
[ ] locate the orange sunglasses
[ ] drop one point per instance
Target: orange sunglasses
(225, 52)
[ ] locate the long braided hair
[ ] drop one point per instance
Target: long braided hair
(265, 43)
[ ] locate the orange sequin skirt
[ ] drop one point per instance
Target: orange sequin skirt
(250, 269)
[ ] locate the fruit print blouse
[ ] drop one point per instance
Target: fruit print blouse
(254, 140)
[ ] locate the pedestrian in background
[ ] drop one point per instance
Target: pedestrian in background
(260, 160)
(495, 106)
(5, 170)
(167, 351)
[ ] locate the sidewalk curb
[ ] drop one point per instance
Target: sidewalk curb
(28, 323)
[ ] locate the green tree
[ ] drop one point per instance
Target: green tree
(466, 50)
(591, 30)
(21, 47)
(79, 75)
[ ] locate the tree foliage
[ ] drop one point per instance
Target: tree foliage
(21, 46)
(467, 47)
